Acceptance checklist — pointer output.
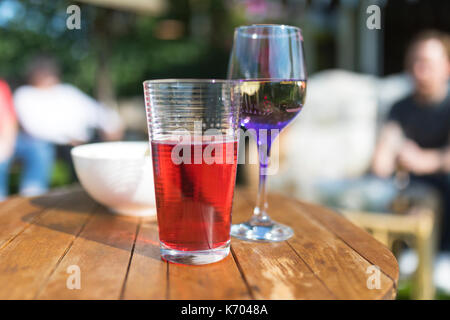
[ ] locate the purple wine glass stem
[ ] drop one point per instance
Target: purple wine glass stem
(260, 216)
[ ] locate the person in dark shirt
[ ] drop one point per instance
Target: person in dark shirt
(427, 123)
(416, 136)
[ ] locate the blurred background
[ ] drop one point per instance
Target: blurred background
(356, 74)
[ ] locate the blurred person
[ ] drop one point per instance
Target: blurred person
(416, 135)
(52, 113)
(8, 132)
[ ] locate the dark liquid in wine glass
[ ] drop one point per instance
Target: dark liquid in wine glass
(271, 104)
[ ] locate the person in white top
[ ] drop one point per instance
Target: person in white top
(53, 113)
(61, 113)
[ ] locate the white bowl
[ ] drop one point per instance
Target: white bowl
(118, 175)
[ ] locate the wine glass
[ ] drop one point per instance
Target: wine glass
(269, 61)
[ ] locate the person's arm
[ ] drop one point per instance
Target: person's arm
(8, 133)
(8, 122)
(110, 124)
(386, 150)
(424, 161)
(104, 118)
(446, 160)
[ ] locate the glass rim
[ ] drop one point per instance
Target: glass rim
(189, 81)
(269, 26)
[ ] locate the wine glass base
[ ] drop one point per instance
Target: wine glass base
(274, 232)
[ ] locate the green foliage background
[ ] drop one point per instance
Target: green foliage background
(134, 53)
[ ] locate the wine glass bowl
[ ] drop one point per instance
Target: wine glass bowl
(269, 62)
(271, 104)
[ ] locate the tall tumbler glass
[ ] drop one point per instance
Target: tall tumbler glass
(194, 131)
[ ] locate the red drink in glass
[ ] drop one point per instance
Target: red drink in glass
(194, 179)
(194, 199)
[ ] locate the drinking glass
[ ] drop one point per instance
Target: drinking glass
(193, 128)
(269, 62)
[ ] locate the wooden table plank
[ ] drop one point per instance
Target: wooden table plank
(17, 213)
(28, 260)
(338, 265)
(102, 251)
(220, 280)
(151, 278)
(119, 256)
(147, 276)
(357, 238)
(274, 270)
(341, 267)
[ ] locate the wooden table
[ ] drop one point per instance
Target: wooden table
(118, 257)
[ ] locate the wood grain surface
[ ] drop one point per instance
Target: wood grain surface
(118, 256)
